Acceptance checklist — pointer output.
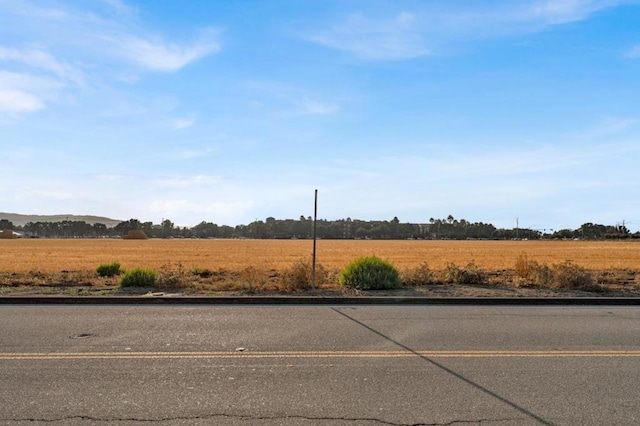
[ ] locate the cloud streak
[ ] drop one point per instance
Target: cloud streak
(24, 93)
(431, 29)
(633, 53)
(392, 38)
(113, 46)
(155, 54)
(41, 60)
(554, 12)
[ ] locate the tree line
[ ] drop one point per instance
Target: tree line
(448, 228)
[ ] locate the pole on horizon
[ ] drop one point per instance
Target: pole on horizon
(313, 261)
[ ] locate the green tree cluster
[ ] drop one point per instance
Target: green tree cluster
(448, 228)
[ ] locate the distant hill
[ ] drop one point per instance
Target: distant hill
(22, 219)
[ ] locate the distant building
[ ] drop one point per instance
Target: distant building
(9, 234)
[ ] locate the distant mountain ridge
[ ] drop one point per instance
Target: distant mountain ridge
(22, 219)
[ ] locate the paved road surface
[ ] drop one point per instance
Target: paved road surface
(199, 365)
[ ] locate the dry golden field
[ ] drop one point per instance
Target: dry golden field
(45, 256)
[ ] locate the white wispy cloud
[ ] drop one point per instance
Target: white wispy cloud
(187, 182)
(120, 7)
(192, 153)
(85, 45)
(634, 52)
(23, 93)
(429, 29)
(158, 55)
(287, 99)
(14, 101)
(42, 60)
(563, 11)
(313, 107)
(397, 37)
(42, 79)
(182, 123)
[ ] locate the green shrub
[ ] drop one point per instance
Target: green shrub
(470, 274)
(138, 277)
(109, 269)
(370, 273)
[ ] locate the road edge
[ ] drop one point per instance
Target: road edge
(317, 300)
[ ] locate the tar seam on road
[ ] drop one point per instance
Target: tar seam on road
(448, 370)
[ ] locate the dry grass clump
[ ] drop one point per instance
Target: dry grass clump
(299, 276)
(173, 276)
(454, 274)
(566, 275)
(418, 276)
(253, 279)
(202, 272)
(570, 276)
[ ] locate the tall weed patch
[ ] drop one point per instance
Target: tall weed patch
(109, 269)
(566, 275)
(420, 275)
(139, 277)
(454, 274)
(299, 276)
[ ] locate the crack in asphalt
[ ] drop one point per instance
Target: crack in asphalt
(246, 417)
(450, 371)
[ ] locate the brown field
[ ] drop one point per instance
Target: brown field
(76, 255)
(42, 261)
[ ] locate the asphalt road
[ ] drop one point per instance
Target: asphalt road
(383, 365)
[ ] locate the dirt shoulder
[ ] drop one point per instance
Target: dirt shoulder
(251, 282)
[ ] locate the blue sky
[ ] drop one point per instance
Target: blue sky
(231, 111)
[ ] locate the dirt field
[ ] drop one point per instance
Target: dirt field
(44, 262)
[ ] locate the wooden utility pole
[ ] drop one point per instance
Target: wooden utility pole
(313, 262)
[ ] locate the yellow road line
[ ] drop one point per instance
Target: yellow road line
(314, 354)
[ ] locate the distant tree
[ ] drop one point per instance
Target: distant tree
(147, 228)
(564, 234)
(595, 231)
(100, 230)
(6, 224)
(130, 225)
(167, 228)
(205, 230)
